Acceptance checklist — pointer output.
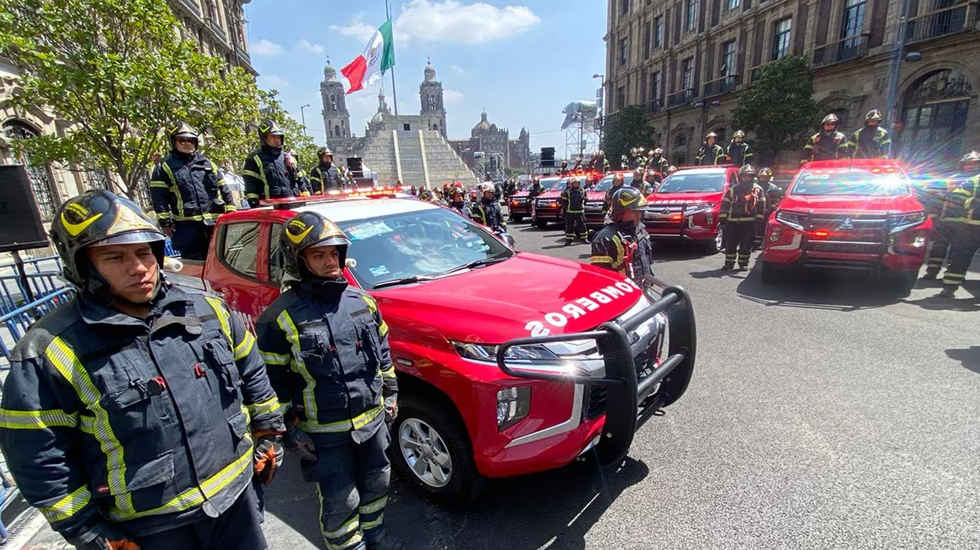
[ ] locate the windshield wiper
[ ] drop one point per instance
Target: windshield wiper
(478, 263)
(403, 281)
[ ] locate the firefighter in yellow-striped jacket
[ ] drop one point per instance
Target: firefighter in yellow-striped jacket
(132, 415)
(961, 219)
(742, 208)
(269, 172)
(326, 347)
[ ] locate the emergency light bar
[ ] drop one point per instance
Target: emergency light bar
(289, 203)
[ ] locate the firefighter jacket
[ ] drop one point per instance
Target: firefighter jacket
(624, 249)
(147, 422)
(739, 154)
(326, 348)
(824, 146)
(269, 176)
(607, 200)
(870, 143)
(189, 187)
(573, 201)
(325, 177)
(709, 155)
(772, 193)
(744, 202)
(536, 190)
(659, 164)
(487, 212)
(962, 203)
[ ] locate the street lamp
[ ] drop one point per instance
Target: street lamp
(602, 105)
(302, 116)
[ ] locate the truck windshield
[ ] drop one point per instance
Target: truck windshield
(693, 183)
(606, 183)
(417, 244)
(552, 184)
(851, 182)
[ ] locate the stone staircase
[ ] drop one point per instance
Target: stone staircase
(398, 154)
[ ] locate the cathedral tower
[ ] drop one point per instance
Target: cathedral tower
(433, 109)
(336, 119)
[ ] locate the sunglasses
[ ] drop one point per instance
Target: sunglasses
(186, 140)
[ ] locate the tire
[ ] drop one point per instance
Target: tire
(717, 244)
(771, 273)
(541, 224)
(516, 218)
(428, 421)
(905, 282)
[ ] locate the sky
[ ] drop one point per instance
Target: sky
(521, 60)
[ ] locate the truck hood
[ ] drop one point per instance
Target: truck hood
(595, 196)
(527, 295)
(550, 195)
(684, 198)
(854, 204)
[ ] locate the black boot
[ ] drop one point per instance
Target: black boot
(728, 266)
(948, 291)
(385, 542)
(930, 275)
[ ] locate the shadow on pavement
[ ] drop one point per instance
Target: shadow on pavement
(970, 357)
(840, 291)
(674, 251)
(961, 303)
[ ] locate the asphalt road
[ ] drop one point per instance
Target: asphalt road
(824, 413)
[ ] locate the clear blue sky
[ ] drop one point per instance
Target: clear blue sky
(522, 60)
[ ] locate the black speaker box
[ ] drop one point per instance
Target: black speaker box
(355, 166)
(20, 223)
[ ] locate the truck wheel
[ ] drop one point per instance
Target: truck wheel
(541, 224)
(715, 245)
(431, 451)
(516, 218)
(770, 273)
(905, 282)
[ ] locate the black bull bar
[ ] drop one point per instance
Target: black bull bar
(626, 392)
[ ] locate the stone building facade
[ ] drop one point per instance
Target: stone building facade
(496, 146)
(218, 27)
(685, 62)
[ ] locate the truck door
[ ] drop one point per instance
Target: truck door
(240, 272)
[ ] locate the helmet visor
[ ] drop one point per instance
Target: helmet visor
(131, 237)
(331, 241)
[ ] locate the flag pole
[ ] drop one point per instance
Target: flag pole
(394, 91)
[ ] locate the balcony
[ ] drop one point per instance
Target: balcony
(723, 85)
(847, 49)
(191, 7)
(946, 21)
(682, 97)
(655, 106)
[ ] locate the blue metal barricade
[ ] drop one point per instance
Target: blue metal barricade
(14, 324)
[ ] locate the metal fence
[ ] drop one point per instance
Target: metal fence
(15, 323)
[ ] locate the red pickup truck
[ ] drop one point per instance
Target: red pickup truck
(687, 204)
(508, 363)
(546, 207)
(844, 214)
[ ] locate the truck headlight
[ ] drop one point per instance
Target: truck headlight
(902, 222)
(513, 404)
(488, 353)
(792, 219)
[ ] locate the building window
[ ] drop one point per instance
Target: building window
(727, 62)
(658, 32)
(733, 4)
(655, 87)
(623, 51)
(620, 97)
(407, 127)
(646, 40)
(691, 15)
(39, 174)
(780, 40)
(687, 73)
(853, 21)
(624, 7)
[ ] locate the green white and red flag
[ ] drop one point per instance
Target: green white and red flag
(370, 66)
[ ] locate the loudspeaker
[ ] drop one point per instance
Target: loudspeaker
(548, 157)
(20, 222)
(355, 166)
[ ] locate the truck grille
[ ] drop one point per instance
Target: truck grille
(847, 234)
(596, 404)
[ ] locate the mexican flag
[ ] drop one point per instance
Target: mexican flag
(367, 68)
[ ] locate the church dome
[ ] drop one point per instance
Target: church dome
(430, 72)
(483, 125)
(329, 73)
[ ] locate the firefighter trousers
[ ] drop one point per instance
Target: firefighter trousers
(963, 245)
(352, 487)
(575, 226)
(938, 249)
(192, 238)
(240, 527)
(739, 237)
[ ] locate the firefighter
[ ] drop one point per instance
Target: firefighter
(535, 189)
(510, 189)
(827, 144)
(710, 153)
(471, 202)
(457, 200)
(969, 167)
(132, 416)
(599, 162)
(623, 244)
(617, 182)
(872, 141)
(772, 193)
(325, 176)
(739, 153)
(573, 205)
(326, 346)
(960, 219)
(741, 209)
(487, 211)
(268, 171)
(189, 193)
(657, 162)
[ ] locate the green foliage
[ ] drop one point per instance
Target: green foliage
(118, 72)
(778, 108)
(295, 139)
(624, 130)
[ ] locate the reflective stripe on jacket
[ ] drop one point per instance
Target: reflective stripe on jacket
(189, 187)
(324, 178)
(328, 358)
(744, 202)
(268, 176)
(868, 147)
(106, 416)
(823, 146)
(573, 201)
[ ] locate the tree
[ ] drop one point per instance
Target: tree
(295, 139)
(778, 108)
(120, 75)
(624, 130)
